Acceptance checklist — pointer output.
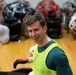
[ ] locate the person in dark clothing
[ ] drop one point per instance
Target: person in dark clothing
(48, 57)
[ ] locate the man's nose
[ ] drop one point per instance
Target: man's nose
(33, 33)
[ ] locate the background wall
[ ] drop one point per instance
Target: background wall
(60, 2)
(35, 2)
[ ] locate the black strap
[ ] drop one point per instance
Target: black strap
(12, 73)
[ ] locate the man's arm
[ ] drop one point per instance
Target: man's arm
(60, 61)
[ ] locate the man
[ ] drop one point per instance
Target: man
(48, 57)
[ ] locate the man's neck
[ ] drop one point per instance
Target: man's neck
(45, 41)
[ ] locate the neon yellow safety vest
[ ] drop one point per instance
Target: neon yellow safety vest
(39, 61)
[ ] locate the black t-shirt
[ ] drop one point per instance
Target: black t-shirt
(57, 60)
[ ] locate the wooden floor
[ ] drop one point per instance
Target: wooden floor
(13, 50)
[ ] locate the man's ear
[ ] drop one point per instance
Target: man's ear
(45, 28)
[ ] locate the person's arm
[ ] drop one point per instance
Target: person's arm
(22, 61)
(61, 63)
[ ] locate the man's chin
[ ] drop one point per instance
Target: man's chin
(36, 41)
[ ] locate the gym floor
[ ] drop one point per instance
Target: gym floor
(14, 50)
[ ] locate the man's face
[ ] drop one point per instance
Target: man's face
(36, 32)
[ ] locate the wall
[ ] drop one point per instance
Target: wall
(9, 1)
(35, 2)
(60, 2)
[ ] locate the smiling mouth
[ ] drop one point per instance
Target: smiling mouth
(35, 38)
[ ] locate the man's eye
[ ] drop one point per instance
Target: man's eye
(36, 29)
(30, 31)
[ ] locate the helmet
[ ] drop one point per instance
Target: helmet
(72, 23)
(13, 15)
